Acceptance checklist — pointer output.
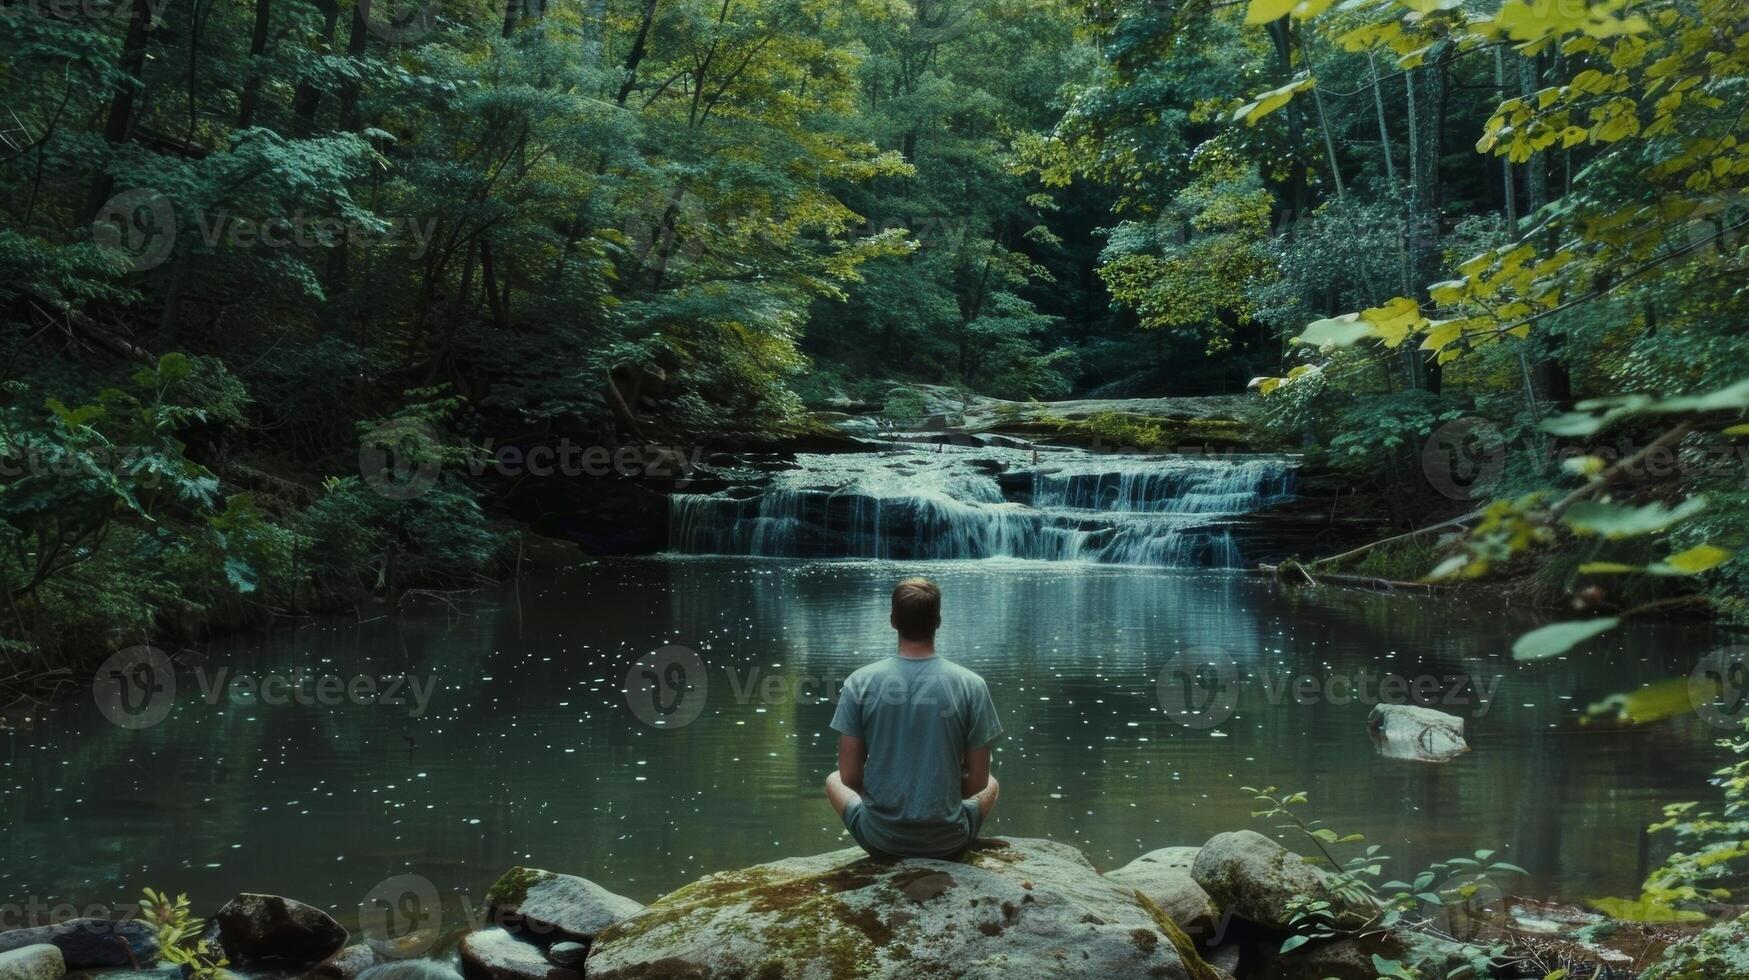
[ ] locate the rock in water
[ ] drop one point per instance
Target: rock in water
(495, 954)
(346, 964)
(1405, 731)
(89, 943)
(1255, 877)
(39, 961)
(1012, 910)
(555, 906)
(268, 929)
(1164, 877)
(568, 954)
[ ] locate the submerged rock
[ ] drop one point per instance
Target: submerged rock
(555, 906)
(346, 964)
(88, 943)
(1405, 731)
(1012, 909)
(1164, 877)
(496, 954)
(38, 961)
(268, 929)
(1256, 877)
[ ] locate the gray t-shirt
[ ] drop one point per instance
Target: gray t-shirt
(918, 717)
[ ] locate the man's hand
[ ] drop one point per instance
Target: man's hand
(852, 754)
(976, 774)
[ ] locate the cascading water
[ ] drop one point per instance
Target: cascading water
(1175, 511)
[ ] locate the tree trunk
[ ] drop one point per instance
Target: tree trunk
(257, 54)
(120, 121)
(308, 96)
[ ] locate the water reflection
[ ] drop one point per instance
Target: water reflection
(526, 752)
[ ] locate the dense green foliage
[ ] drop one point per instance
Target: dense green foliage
(241, 238)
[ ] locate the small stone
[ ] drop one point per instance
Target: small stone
(41, 961)
(496, 954)
(555, 906)
(1255, 877)
(346, 964)
(88, 943)
(568, 954)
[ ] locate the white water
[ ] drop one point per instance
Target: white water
(1173, 511)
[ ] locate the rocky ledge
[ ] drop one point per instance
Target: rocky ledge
(1010, 908)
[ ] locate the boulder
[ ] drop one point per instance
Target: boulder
(1720, 953)
(1255, 877)
(1341, 959)
(346, 964)
(267, 929)
(1405, 731)
(38, 961)
(1011, 909)
(496, 954)
(1164, 877)
(90, 943)
(552, 906)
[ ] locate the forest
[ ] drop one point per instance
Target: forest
(244, 241)
(240, 235)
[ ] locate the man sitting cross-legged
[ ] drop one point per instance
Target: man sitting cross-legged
(915, 732)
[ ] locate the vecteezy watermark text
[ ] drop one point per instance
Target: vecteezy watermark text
(1202, 688)
(138, 687)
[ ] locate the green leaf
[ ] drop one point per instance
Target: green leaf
(1292, 943)
(1616, 521)
(1264, 11)
(1644, 910)
(1337, 331)
(1557, 638)
(1700, 558)
(1607, 568)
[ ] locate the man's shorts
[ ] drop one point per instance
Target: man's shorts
(853, 822)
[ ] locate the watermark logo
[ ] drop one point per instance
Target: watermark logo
(400, 459)
(135, 688)
(1463, 458)
(661, 232)
(666, 688)
(1199, 688)
(401, 917)
(1718, 687)
(141, 224)
(399, 21)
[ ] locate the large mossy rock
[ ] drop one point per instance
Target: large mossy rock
(1255, 877)
(1164, 877)
(554, 907)
(1012, 909)
(1720, 953)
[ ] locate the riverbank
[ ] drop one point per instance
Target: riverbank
(1009, 908)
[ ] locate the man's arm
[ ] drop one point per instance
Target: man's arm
(976, 774)
(852, 753)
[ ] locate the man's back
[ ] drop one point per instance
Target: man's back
(918, 716)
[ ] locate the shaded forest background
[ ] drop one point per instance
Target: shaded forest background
(242, 235)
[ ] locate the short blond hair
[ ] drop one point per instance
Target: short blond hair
(916, 609)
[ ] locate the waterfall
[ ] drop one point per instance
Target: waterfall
(1174, 511)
